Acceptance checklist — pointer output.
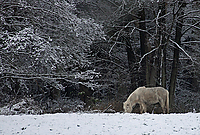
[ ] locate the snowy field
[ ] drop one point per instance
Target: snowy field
(101, 124)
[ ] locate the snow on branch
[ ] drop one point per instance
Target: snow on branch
(182, 50)
(148, 54)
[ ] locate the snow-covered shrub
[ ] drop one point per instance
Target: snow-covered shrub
(24, 106)
(54, 39)
(42, 43)
(26, 52)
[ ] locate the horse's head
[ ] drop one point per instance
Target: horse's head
(127, 107)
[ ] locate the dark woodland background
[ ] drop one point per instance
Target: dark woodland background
(89, 55)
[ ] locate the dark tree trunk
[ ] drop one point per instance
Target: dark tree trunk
(131, 61)
(162, 7)
(173, 75)
(164, 79)
(145, 70)
(176, 54)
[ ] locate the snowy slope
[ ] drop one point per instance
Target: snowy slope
(101, 124)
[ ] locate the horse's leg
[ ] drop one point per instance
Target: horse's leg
(162, 104)
(143, 108)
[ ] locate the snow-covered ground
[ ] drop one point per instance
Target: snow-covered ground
(101, 124)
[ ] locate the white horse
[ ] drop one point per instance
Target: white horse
(147, 96)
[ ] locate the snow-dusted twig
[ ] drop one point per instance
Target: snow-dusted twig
(182, 50)
(191, 25)
(190, 12)
(157, 23)
(160, 17)
(189, 42)
(148, 54)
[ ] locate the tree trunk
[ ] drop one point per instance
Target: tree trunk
(164, 79)
(131, 61)
(176, 54)
(145, 75)
(173, 75)
(162, 22)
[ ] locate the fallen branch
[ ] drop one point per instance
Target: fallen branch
(107, 108)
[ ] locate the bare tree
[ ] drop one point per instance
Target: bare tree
(176, 51)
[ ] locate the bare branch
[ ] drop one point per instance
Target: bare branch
(190, 12)
(189, 42)
(192, 25)
(157, 23)
(159, 17)
(182, 50)
(107, 108)
(148, 54)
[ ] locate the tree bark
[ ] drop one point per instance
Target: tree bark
(145, 75)
(162, 7)
(131, 61)
(176, 54)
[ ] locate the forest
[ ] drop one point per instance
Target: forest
(89, 55)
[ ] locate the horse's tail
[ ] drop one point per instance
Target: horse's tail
(167, 102)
